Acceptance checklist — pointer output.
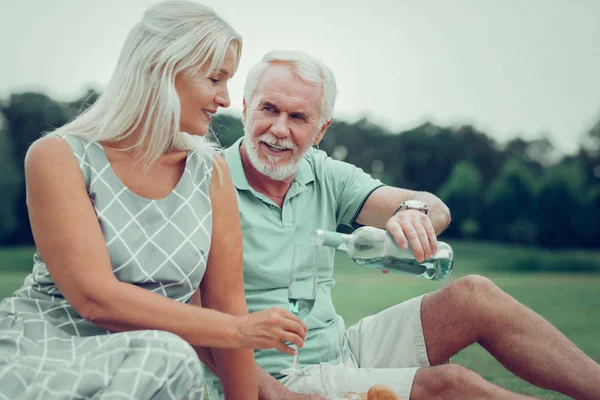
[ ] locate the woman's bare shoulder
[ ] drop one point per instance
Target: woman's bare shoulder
(51, 156)
(47, 148)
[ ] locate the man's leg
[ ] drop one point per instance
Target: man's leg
(444, 382)
(473, 309)
(452, 381)
(389, 348)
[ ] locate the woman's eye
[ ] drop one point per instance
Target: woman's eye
(214, 80)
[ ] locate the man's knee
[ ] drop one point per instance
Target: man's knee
(462, 298)
(432, 382)
(471, 290)
(473, 284)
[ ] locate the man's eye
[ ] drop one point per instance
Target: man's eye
(268, 108)
(297, 116)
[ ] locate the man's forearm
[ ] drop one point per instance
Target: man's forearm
(268, 387)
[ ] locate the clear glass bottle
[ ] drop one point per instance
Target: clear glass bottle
(376, 248)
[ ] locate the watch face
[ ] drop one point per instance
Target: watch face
(415, 204)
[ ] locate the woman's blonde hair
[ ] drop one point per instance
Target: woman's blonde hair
(173, 37)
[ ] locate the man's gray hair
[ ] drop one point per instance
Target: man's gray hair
(310, 69)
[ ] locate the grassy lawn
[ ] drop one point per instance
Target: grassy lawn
(570, 301)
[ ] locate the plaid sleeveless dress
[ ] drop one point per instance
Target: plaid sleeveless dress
(47, 351)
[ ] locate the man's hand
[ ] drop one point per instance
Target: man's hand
(413, 228)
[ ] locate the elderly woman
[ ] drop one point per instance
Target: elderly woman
(134, 215)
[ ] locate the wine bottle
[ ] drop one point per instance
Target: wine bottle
(376, 248)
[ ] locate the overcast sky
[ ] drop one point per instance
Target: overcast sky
(510, 67)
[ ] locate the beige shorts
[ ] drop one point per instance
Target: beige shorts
(387, 348)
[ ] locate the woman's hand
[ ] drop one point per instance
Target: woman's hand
(269, 328)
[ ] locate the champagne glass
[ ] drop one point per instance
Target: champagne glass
(302, 289)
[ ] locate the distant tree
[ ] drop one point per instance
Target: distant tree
(462, 194)
(227, 129)
(361, 140)
(569, 209)
(480, 149)
(593, 136)
(76, 107)
(27, 116)
(589, 154)
(11, 182)
(422, 157)
(511, 209)
(536, 154)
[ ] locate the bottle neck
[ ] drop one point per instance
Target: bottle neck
(331, 239)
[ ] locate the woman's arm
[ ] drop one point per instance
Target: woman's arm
(69, 238)
(222, 287)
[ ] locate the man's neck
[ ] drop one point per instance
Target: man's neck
(274, 190)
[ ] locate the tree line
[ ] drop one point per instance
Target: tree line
(514, 192)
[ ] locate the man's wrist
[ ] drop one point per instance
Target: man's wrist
(412, 205)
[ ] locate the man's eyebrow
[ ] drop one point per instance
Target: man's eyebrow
(264, 103)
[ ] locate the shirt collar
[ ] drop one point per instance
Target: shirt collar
(234, 162)
(233, 158)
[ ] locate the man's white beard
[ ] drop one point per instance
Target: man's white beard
(271, 167)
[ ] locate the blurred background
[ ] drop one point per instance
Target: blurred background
(493, 106)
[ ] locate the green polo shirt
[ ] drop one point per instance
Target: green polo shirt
(324, 194)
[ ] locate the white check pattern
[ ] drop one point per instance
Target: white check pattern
(47, 351)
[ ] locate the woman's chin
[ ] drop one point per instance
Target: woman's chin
(201, 131)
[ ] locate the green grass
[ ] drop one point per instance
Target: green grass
(16, 259)
(570, 301)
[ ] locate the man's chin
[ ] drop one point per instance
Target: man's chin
(277, 175)
(276, 172)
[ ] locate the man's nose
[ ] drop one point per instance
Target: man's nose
(280, 126)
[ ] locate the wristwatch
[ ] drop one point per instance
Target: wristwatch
(413, 205)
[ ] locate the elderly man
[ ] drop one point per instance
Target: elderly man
(286, 189)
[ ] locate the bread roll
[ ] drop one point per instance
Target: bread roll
(381, 392)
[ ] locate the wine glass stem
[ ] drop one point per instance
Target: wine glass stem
(295, 363)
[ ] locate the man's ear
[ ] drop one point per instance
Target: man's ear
(322, 132)
(244, 111)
